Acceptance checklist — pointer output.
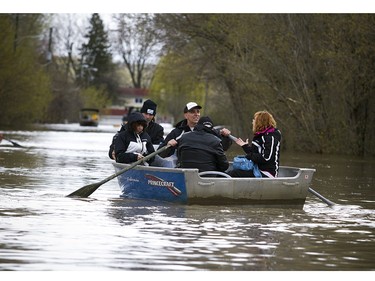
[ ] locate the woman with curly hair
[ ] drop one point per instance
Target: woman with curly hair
(264, 149)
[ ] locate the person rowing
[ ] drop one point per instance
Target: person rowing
(192, 114)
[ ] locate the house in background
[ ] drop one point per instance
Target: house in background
(128, 100)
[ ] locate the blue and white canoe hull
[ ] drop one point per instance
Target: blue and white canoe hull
(188, 187)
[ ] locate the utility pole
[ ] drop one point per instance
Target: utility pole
(49, 52)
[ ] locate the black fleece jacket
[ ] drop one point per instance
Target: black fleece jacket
(201, 149)
(181, 128)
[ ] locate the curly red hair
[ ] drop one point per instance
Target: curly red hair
(263, 120)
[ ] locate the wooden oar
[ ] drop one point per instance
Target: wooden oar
(14, 143)
(87, 190)
(321, 197)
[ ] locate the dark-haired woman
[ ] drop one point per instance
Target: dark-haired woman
(133, 143)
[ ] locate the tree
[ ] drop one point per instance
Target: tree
(173, 86)
(138, 44)
(66, 101)
(209, 43)
(24, 84)
(96, 66)
(314, 72)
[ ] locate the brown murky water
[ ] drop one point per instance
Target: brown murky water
(41, 229)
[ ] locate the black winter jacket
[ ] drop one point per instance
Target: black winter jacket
(225, 141)
(128, 143)
(154, 130)
(265, 151)
(181, 128)
(201, 149)
(112, 146)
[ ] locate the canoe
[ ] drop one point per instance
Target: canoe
(188, 186)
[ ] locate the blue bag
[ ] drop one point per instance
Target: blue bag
(242, 163)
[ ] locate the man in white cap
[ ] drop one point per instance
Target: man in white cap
(192, 114)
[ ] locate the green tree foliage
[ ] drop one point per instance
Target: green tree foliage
(175, 84)
(349, 62)
(93, 97)
(66, 101)
(314, 72)
(24, 85)
(96, 66)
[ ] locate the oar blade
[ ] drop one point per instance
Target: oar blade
(321, 197)
(85, 191)
(14, 143)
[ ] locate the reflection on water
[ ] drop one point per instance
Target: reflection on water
(195, 237)
(240, 238)
(41, 229)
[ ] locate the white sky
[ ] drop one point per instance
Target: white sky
(195, 6)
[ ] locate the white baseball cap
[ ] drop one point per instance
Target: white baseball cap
(190, 105)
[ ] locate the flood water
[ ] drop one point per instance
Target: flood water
(43, 230)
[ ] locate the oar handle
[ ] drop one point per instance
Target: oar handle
(232, 138)
(140, 161)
